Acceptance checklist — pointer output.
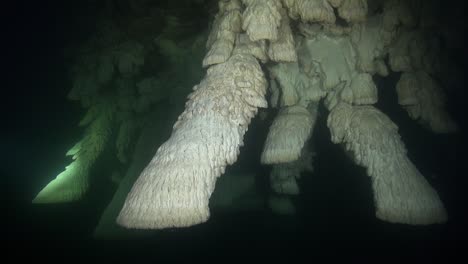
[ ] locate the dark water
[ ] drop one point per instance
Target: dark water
(335, 216)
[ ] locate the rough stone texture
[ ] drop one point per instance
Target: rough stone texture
(401, 193)
(174, 189)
